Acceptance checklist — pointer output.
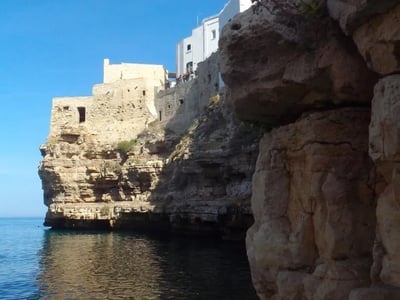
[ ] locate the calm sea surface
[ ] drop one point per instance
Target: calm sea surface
(37, 263)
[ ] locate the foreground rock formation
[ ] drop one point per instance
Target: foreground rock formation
(189, 172)
(325, 198)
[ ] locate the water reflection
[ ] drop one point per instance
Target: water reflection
(113, 265)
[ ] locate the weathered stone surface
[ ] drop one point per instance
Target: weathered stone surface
(384, 129)
(315, 191)
(384, 150)
(209, 172)
(179, 106)
(118, 110)
(375, 293)
(378, 40)
(275, 69)
(353, 13)
(313, 204)
(290, 285)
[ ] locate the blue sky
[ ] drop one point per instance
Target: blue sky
(52, 48)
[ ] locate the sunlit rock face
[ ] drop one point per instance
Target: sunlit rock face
(324, 192)
(285, 65)
(314, 207)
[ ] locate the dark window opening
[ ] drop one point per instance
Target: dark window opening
(236, 26)
(181, 101)
(82, 114)
(189, 67)
(66, 107)
(160, 115)
(169, 106)
(189, 47)
(144, 93)
(214, 34)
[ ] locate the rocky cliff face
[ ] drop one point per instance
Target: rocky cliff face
(324, 190)
(198, 182)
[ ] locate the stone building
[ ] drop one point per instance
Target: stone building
(177, 107)
(119, 108)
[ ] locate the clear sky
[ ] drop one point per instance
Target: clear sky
(53, 48)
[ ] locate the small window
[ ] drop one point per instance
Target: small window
(189, 67)
(189, 47)
(82, 114)
(213, 34)
(66, 108)
(144, 93)
(180, 101)
(160, 115)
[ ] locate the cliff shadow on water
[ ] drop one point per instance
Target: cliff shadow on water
(123, 265)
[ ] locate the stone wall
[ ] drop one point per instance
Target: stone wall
(180, 105)
(324, 191)
(155, 74)
(168, 103)
(116, 111)
(65, 114)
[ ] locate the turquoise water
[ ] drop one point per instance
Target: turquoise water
(37, 263)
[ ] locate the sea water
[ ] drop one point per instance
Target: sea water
(38, 263)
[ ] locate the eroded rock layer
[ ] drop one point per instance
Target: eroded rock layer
(198, 183)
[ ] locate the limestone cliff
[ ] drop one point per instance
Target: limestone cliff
(324, 191)
(188, 171)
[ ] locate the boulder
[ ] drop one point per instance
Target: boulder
(278, 66)
(378, 40)
(353, 13)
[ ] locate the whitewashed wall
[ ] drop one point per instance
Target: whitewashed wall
(232, 8)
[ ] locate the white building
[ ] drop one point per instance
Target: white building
(204, 39)
(197, 47)
(230, 9)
